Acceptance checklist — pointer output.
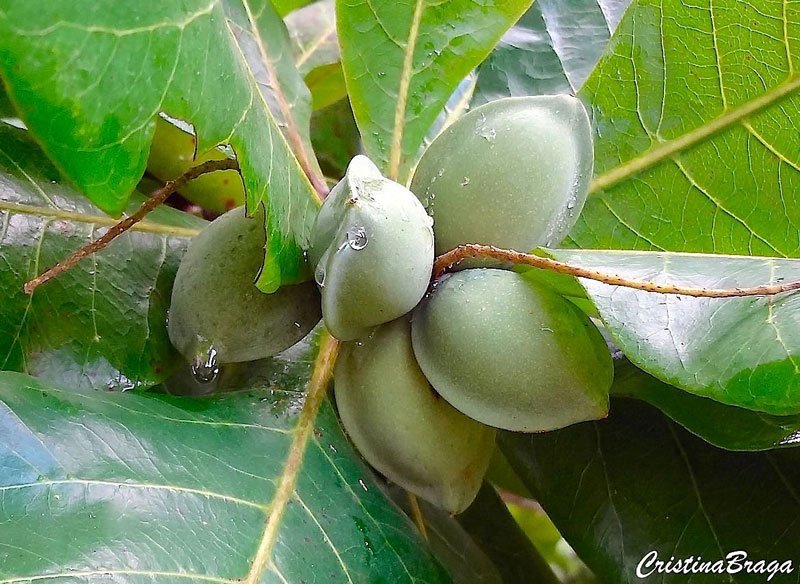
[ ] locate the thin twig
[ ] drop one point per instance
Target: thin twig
(453, 257)
(416, 515)
(158, 197)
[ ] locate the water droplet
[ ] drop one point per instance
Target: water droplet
(357, 238)
(332, 447)
(319, 274)
(465, 181)
(488, 134)
(441, 172)
(381, 73)
(363, 485)
(297, 324)
(204, 366)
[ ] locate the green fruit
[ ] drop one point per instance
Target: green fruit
(402, 427)
(511, 353)
(173, 152)
(218, 315)
(513, 173)
(372, 247)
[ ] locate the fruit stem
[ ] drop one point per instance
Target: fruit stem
(452, 258)
(416, 515)
(156, 198)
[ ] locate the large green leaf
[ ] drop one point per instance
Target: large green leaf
(89, 83)
(695, 108)
(741, 351)
(102, 323)
(550, 50)
(454, 547)
(620, 488)
(266, 46)
(517, 560)
(403, 60)
(250, 487)
(725, 426)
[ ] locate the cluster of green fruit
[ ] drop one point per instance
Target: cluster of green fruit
(426, 372)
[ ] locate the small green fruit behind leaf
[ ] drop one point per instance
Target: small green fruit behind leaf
(173, 152)
(511, 353)
(513, 173)
(402, 427)
(218, 314)
(372, 246)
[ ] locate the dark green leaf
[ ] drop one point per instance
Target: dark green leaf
(102, 323)
(725, 426)
(550, 50)
(139, 488)
(335, 137)
(89, 83)
(460, 555)
(402, 62)
(740, 351)
(620, 488)
(695, 109)
(491, 525)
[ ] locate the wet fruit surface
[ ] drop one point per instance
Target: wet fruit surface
(513, 173)
(402, 427)
(511, 353)
(372, 249)
(218, 315)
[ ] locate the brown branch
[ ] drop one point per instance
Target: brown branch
(157, 197)
(453, 257)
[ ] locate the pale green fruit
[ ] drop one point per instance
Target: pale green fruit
(402, 427)
(372, 247)
(174, 151)
(217, 314)
(511, 353)
(513, 173)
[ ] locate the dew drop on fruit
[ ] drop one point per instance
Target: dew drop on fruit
(357, 238)
(319, 274)
(204, 366)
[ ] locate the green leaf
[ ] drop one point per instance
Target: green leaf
(550, 50)
(724, 426)
(335, 137)
(327, 85)
(265, 44)
(456, 106)
(248, 487)
(636, 482)
(740, 351)
(403, 61)
(90, 83)
(100, 324)
(516, 558)
(460, 555)
(284, 7)
(696, 147)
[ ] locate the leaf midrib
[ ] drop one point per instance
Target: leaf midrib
(669, 148)
(395, 153)
(62, 215)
